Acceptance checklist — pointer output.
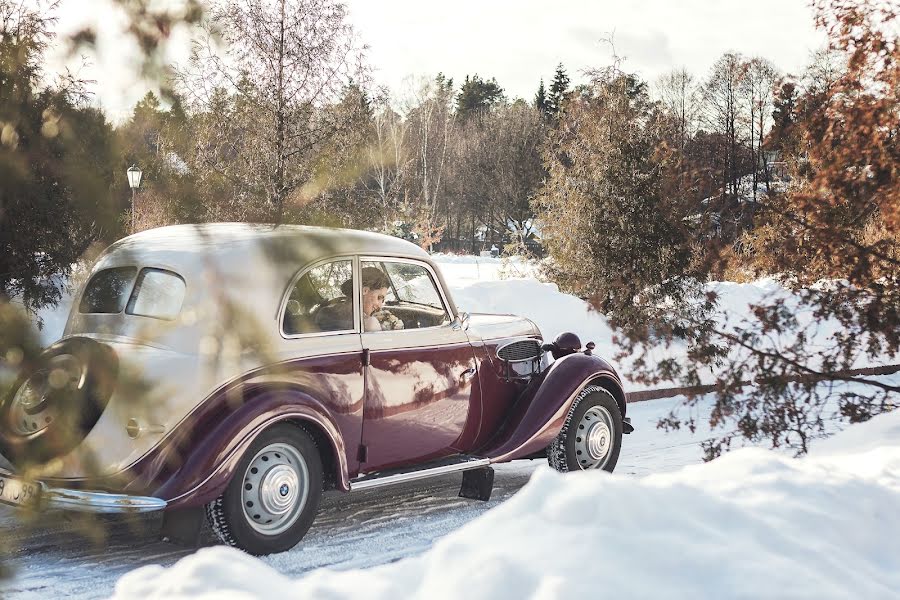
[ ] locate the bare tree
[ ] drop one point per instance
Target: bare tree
(758, 87)
(678, 93)
(388, 156)
(499, 169)
(431, 122)
(284, 62)
(721, 114)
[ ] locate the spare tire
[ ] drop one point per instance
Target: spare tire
(55, 405)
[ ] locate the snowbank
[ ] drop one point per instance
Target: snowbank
(750, 524)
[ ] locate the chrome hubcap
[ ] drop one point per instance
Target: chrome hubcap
(33, 408)
(276, 487)
(593, 438)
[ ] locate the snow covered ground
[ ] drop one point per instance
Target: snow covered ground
(751, 524)
(754, 523)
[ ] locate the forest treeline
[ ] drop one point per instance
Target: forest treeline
(291, 130)
(454, 165)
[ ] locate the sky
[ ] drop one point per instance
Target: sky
(518, 42)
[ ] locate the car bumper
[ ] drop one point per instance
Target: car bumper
(85, 501)
(98, 502)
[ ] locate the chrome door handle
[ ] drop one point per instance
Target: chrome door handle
(467, 373)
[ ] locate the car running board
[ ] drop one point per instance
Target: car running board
(455, 464)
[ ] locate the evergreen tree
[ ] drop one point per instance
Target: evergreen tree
(558, 92)
(55, 166)
(160, 141)
(606, 174)
(784, 116)
(477, 95)
(540, 100)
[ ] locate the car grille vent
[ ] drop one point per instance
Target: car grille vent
(520, 350)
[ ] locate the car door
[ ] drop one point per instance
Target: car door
(419, 380)
(321, 352)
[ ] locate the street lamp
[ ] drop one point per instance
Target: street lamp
(134, 181)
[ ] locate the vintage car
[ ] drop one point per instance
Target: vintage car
(238, 371)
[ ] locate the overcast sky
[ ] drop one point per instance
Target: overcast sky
(516, 41)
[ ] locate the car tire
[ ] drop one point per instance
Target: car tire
(591, 437)
(41, 420)
(274, 495)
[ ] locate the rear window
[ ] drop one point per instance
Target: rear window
(158, 294)
(107, 291)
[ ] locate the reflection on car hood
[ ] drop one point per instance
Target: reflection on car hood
(492, 327)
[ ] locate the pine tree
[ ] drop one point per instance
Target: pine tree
(56, 166)
(540, 100)
(784, 116)
(477, 95)
(558, 92)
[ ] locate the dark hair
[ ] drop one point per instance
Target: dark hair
(374, 279)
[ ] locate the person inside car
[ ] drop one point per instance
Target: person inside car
(375, 286)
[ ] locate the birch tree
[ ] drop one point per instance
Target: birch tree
(758, 86)
(431, 122)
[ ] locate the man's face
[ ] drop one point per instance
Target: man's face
(373, 300)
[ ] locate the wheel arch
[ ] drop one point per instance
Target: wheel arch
(219, 453)
(538, 415)
(612, 386)
(331, 468)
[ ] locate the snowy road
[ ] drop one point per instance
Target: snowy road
(361, 529)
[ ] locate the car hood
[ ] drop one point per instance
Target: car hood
(492, 327)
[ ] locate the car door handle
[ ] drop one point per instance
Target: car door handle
(467, 373)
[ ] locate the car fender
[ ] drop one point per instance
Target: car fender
(210, 462)
(538, 415)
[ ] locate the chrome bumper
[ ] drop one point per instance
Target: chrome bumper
(53, 498)
(98, 502)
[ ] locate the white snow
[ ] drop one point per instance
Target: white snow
(750, 524)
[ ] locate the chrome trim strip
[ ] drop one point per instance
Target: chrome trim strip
(98, 502)
(420, 474)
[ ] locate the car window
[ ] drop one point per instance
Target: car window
(412, 298)
(321, 300)
(158, 294)
(107, 291)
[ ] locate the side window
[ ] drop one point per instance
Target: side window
(411, 299)
(158, 294)
(107, 291)
(322, 300)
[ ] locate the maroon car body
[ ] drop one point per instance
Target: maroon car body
(204, 378)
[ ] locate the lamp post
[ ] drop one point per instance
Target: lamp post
(134, 181)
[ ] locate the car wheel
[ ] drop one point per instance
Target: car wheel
(55, 404)
(274, 495)
(591, 436)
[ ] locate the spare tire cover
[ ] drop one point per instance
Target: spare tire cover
(52, 407)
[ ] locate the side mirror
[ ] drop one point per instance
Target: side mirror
(461, 321)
